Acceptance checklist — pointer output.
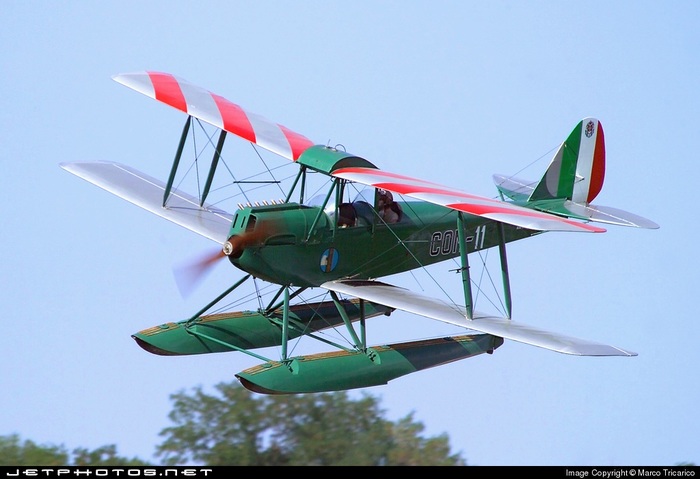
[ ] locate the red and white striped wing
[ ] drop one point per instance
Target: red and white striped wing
(458, 200)
(217, 111)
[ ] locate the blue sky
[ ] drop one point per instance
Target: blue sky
(447, 91)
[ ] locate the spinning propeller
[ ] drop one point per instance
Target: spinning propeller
(189, 275)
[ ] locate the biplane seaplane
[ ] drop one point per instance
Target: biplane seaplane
(367, 224)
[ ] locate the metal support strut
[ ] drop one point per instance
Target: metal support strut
(464, 256)
(359, 344)
(218, 298)
(176, 161)
(214, 164)
(320, 210)
(285, 323)
(504, 270)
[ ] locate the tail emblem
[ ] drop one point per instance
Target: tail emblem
(589, 129)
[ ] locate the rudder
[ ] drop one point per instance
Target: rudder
(577, 170)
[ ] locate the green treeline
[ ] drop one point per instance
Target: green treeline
(237, 427)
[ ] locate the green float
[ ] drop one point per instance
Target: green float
(342, 370)
(234, 331)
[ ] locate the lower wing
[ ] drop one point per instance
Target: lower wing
(405, 300)
(147, 192)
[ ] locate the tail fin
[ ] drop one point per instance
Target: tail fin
(577, 170)
(573, 179)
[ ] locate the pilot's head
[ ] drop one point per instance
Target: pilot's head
(385, 198)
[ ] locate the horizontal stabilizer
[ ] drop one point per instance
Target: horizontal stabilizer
(147, 192)
(520, 190)
(411, 302)
(610, 215)
(514, 188)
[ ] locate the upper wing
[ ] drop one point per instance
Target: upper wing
(406, 300)
(147, 192)
(221, 113)
(217, 111)
(458, 200)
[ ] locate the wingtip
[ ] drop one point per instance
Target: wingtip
(629, 353)
(119, 77)
(68, 166)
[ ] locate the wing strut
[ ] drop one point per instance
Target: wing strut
(214, 164)
(176, 161)
(466, 280)
(178, 156)
(504, 270)
(464, 256)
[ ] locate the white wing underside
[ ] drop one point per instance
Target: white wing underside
(411, 302)
(147, 192)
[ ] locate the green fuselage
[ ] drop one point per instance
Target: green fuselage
(307, 249)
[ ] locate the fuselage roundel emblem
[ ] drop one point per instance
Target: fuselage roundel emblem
(329, 260)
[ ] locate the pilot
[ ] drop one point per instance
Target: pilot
(388, 209)
(347, 216)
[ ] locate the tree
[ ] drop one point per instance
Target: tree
(236, 427)
(103, 456)
(14, 452)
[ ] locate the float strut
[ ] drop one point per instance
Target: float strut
(359, 344)
(363, 331)
(285, 323)
(218, 298)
